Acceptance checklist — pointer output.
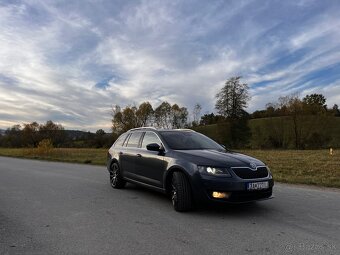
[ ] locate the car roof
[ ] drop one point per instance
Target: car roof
(159, 129)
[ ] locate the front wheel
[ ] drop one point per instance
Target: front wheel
(180, 192)
(116, 179)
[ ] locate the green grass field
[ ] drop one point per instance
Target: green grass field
(314, 167)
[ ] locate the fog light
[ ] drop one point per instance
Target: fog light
(217, 194)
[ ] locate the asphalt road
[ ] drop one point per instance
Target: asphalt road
(59, 208)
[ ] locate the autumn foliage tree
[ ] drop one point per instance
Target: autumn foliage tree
(179, 116)
(164, 116)
(144, 114)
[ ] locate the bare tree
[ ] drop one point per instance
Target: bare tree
(179, 116)
(196, 114)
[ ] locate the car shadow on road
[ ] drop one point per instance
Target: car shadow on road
(214, 209)
(136, 192)
(235, 210)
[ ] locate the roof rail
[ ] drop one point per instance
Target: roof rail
(185, 129)
(143, 128)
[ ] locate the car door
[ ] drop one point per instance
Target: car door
(150, 165)
(128, 155)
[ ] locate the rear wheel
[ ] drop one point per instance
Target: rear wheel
(180, 192)
(116, 179)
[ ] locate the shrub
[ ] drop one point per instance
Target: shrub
(45, 146)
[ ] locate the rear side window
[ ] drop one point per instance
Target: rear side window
(150, 137)
(120, 140)
(134, 139)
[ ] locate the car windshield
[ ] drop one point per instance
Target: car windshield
(186, 140)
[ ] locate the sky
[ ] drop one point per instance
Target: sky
(70, 61)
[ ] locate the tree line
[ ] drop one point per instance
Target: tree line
(29, 135)
(289, 122)
(164, 116)
(292, 122)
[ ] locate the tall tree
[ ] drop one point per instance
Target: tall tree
(233, 98)
(123, 120)
(30, 134)
(13, 136)
(196, 114)
(54, 132)
(295, 109)
(315, 99)
(163, 115)
(315, 103)
(179, 116)
(144, 114)
(99, 138)
(336, 111)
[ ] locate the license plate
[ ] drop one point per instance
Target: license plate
(257, 185)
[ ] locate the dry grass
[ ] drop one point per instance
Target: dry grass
(315, 167)
(86, 156)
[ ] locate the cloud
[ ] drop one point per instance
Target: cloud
(70, 61)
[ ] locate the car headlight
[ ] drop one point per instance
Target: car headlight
(217, 171)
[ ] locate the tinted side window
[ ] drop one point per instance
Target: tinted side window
(134, 139)
(150, 137)
(126, 140)
(120, 140)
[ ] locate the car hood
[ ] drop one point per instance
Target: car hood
(218, 158)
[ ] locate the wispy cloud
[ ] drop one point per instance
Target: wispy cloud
(70, 61)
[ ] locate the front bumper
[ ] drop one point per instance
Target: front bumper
(235, 187)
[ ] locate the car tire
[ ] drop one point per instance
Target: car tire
(180, 192)
(116, 179)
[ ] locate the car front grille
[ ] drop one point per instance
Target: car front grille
(247, 173)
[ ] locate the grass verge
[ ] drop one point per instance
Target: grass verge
(315, 167)
(72, 155)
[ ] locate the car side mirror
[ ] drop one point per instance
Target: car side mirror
(153, 147)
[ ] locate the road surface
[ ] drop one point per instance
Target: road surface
(60, 208)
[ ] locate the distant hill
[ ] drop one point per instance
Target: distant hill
(73, 134)
(77, 134)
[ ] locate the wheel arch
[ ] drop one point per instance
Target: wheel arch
(112, 161)
(168, 177)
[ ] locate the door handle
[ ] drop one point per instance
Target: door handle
(139, 155)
